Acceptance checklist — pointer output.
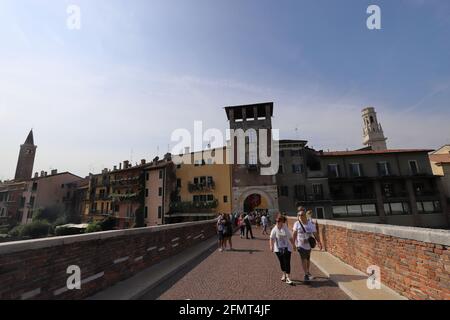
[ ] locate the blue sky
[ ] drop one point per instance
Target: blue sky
(137, 70)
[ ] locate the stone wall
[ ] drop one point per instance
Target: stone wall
(37, 269)
(414, 262)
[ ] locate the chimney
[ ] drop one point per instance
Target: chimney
(36, 174)
(168, 156)
(115, 168)
(143, 161)
(42, 173)
(120, 166)
(125, 164)
(54, 171)
(45, 173)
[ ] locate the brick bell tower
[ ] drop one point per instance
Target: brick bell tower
(24, 169)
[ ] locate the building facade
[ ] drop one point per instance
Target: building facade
(47, 192)
(440, 163)
(250, 125)
(391, 186)
(160, 185)
(203, 185)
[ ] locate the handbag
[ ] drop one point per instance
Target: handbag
(312, 241)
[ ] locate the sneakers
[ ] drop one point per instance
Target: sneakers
(288, 281)
(220, 250)
(283, 278)
(310, 277)
(306, 278)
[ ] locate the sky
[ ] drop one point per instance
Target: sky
(137, 70)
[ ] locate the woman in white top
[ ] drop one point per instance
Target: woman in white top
(303, 229)
(282, 243)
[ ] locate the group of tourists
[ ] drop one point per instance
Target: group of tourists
(225, 231)
(303, 239)
(282, 240)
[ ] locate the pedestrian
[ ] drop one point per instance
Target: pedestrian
(242, 225)
(220, 230)
(248, 226)
(304, 230)
(282, 243)
(265, 224)
(228, 232)
(258, 220)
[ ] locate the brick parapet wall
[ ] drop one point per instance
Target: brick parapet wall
(415, 262)
(37, 269)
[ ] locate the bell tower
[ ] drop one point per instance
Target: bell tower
(24, 169)
(373, 132)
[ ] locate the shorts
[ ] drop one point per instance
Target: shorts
(304, 254)
(220, 235)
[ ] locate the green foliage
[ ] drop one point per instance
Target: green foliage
(108, 224)
(35, 229)
(66, 231)
(93, 227)
(50, 214)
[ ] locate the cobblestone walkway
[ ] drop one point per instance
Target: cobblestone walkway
(250, 272)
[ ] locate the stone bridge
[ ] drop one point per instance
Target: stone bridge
(180, 261)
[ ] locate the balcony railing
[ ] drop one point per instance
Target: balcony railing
(198, 206)
(196, 187)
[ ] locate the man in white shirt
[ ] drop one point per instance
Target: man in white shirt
(304, 229)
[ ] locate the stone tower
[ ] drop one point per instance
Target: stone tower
(251, 189)
(373, 132)
(24, 169)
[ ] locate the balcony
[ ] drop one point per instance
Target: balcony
(194, 207)
(199, 187)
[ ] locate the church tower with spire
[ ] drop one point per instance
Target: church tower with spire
(373, 132)
(24, 169)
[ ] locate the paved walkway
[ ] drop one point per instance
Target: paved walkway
(250, 272)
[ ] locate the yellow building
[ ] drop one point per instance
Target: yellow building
(440, 163)
(203, 185)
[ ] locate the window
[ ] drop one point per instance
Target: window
(62, 186)
(209, 180)
(282, 153)
(160, 192)
(388, 190)
(355, 210)
(280, 169)
(355, 170)
(295, 153)
(159, 212)
(300, 192)
(339, 211)
(147, 176)
(195, 180)
(146, 212)
(35, 185)
(428, 207)
(225, 199)
(297, 168)
(178, 166)
(284, 191)
(396, 208)
(160, 174)
(196, 198)
(146, 193)
(413, 167)
(369, 210)
(178, 183)
(101, 208)
(210, 197)
(319, 213)
(2, 212)
(31, 202)
(333, 170)
(384, 169)
(318, 190)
